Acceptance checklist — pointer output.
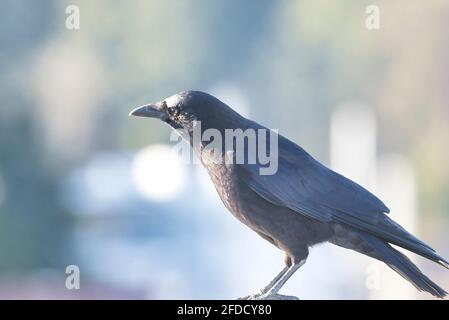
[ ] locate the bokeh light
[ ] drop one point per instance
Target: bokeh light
(158, 173)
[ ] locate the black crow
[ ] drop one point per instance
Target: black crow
(298, 205)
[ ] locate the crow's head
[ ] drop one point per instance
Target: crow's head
(183, 110)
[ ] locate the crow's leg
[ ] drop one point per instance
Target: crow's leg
(272, 293)
(274, 281)
(267, 288)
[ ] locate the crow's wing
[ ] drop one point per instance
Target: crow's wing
(306, 186)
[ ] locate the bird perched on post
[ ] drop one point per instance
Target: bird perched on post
(299, 204)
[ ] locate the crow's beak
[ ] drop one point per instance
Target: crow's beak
(149, 111)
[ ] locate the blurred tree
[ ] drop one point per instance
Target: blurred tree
(32, 223)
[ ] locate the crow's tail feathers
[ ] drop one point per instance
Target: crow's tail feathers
(399, 236)
(402, 265)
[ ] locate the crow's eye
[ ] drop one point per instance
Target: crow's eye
(173, 111)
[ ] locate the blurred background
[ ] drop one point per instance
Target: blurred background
(77, 178)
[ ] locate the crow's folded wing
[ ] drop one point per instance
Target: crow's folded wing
(307, 187)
